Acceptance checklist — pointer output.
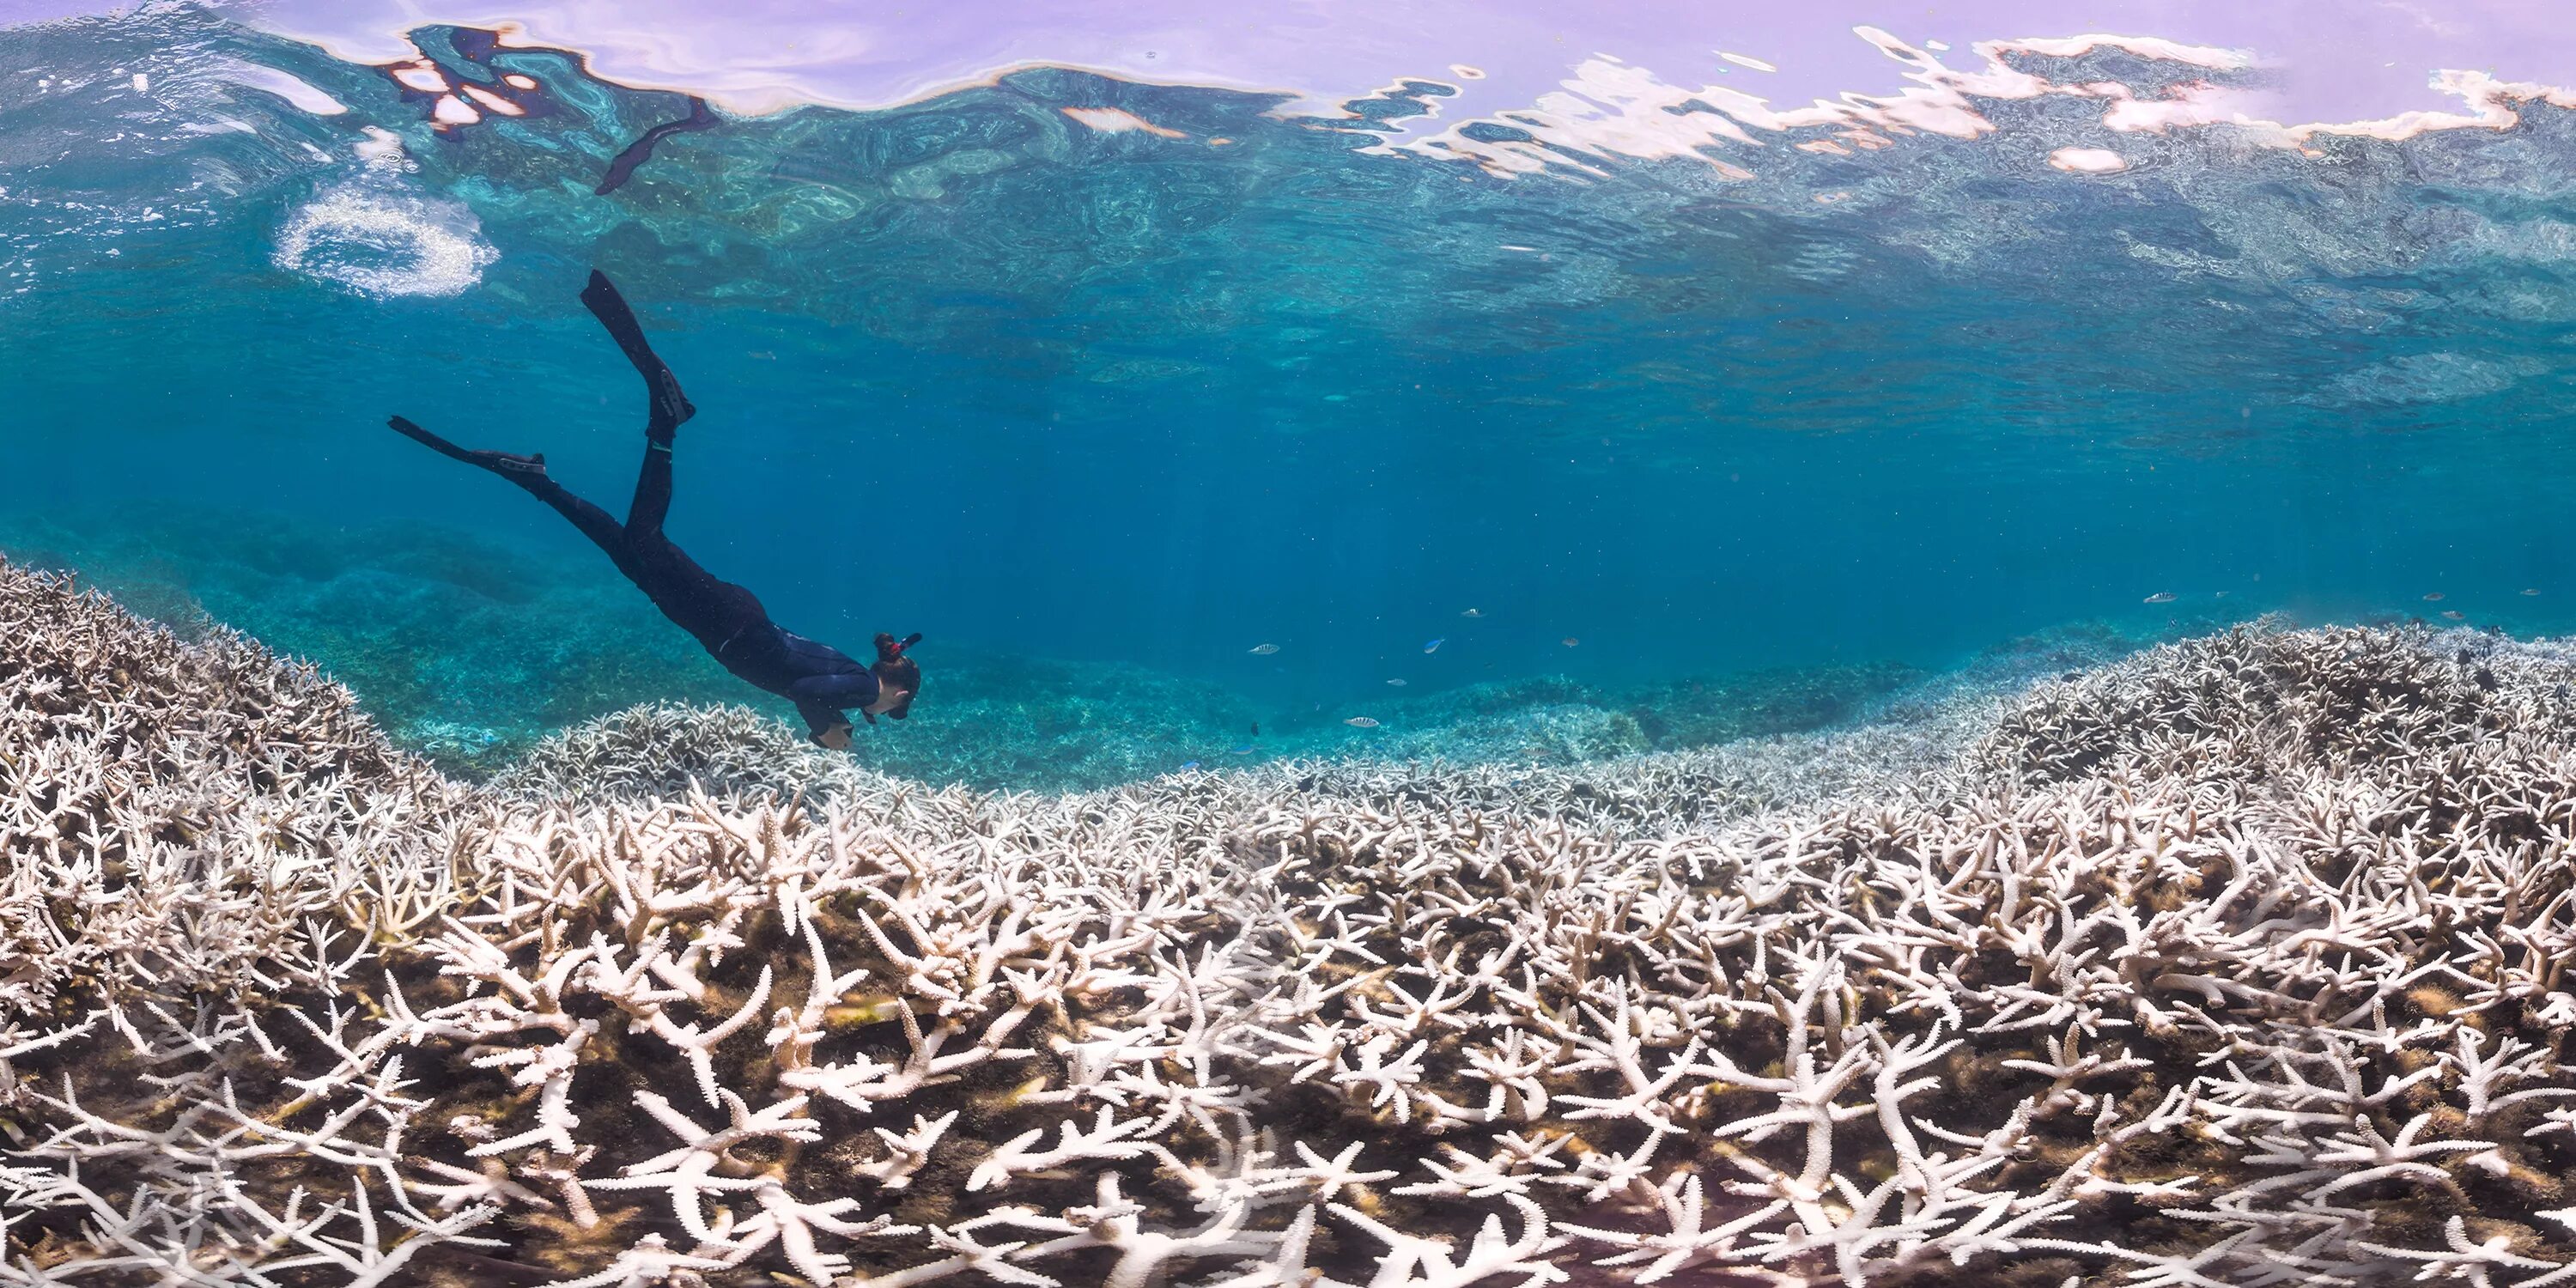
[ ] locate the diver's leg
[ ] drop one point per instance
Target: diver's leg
(727, 619)
(529, 472)
(652, 492)
(669, 406)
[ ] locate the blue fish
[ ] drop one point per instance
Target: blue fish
(1434, 646)
(1243, 751)
(1189, 764)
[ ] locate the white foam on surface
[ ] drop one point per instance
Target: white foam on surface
(1608, 108)
(1118, 120)
(2088, 160)
(304, 97)
(381, 148)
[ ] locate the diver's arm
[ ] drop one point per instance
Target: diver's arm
(826, 700)
(825, 727)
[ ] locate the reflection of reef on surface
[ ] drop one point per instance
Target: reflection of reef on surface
(2236, 959)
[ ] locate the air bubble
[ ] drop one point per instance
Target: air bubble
(383, 244)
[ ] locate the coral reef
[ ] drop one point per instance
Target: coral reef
(2238, 961)
(168, 808)
(671, 749)
(466, 651)
(470, 653)
(2258, 702)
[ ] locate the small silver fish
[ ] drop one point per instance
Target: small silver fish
(1473, 612)
(1433, 646)
(1396, 683)
(1264, 650)
(1569, 641)
(1361, 722)
(2222, 594)
(2453, 614)
(2531, 590)
(2162, 597)
(2434, 598)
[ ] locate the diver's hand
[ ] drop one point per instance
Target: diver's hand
(836, 738)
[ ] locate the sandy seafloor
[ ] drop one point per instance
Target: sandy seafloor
(2230, 958)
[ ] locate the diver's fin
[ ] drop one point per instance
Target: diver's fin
(670, 407)
(429, 440)
(497, 462)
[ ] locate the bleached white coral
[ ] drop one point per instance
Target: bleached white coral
(2239, 962)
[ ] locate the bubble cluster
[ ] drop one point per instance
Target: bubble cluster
(383, 244)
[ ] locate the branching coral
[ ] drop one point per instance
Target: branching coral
(2239, 962)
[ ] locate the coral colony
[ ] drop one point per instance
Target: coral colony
(2237, 962)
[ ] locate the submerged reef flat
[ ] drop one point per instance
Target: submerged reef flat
(472, 653)
(2236, 961)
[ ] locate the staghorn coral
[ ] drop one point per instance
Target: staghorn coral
(667, 749)
(2059, 987)
(2255, 699)
(171, 809)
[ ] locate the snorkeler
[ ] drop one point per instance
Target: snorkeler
(727, 619)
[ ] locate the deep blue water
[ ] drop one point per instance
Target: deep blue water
(973, 368)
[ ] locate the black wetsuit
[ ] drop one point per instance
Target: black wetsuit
(727, 619)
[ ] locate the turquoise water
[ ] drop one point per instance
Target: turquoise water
(1102, 411)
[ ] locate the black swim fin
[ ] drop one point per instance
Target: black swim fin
(497, 462)
(670, 407)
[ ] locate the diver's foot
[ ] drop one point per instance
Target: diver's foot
(507, 463)
(497, 462)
